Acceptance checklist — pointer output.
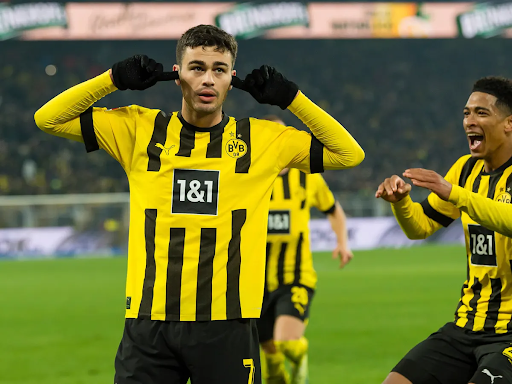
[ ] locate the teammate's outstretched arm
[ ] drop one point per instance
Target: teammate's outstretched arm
(419, 221)
(338, 148)
(338, 221)
(493, 215)
(410, 215)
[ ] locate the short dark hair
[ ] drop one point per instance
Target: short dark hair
(206, 36)
(499, 87)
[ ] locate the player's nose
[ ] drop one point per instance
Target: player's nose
(208, 78)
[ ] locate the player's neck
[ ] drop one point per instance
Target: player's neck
(200, 120)
(499, 157)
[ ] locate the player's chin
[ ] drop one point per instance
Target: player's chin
(477, 154)
(206, 107)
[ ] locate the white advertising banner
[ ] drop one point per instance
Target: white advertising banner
(376, 232)
(32, 242)
(363, 233)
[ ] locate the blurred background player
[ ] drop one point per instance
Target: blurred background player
(477, 346)
(290, 276)
(200, 184)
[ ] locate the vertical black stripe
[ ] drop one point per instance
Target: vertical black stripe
(243, 132)
(280, 263)
(494, 306)
(214, 149)
(509, 325)
(267, 258)
(466, 170)
(477, 289)
(302, 181)
(146, 302)
(187, 142)
(464, 286)
(508, 184)
(233, 309)
(174, 269)
(205, 273)
(316, 156)
(158, 138)
(476, 183)
(88, 133)
(286, 185)
(493, 181)
(298, 260)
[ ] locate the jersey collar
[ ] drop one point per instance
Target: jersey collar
(221, 125)
(499, 169)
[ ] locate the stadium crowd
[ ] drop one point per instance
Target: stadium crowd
(401, 99)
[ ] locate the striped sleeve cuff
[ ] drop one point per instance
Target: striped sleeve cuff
(435, 215)
(330, 211)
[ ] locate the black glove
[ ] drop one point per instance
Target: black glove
(268, 86)
(139, 72)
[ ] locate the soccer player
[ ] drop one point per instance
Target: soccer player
(290, 276)
(200, 185)
(477, 346)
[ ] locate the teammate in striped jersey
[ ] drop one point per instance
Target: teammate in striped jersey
(291, 278)
(477, 346)
(200, 185)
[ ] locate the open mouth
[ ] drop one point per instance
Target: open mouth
(475, 141)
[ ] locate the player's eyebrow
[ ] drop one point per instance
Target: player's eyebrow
(478, 108)
(215, 63)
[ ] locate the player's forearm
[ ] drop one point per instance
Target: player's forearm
(338, 222)
(493, 215)
(413, 221)
(341, 149)
(57, 114)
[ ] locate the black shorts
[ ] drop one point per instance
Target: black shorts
(171, 352)
(292, 300)
(455, 355)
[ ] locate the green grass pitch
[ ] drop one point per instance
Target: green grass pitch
(61, 320)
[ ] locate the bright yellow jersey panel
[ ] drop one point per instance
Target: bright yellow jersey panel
(199, 207)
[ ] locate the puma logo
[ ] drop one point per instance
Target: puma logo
(486, 371)
(166, 150)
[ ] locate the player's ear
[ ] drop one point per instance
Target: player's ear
(508, 124)
(233, 73)
(176, 67)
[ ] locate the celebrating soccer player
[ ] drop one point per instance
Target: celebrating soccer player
(477, 346)
(200, 185)
(291, 278)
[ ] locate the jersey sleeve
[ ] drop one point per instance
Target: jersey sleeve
(71, 115)
(328, 146)
(323, 198)
(112, 130)
(493, 215)
(444, 212)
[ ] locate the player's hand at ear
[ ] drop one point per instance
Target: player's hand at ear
(393, 189)
(139, 72)
(268, 86)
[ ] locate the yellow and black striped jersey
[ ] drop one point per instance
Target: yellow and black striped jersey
(486, 299)
(199, 198)
(289, 259)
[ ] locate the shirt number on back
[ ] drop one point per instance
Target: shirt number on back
(482, 246)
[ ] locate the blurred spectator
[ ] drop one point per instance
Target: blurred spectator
(401, 99)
